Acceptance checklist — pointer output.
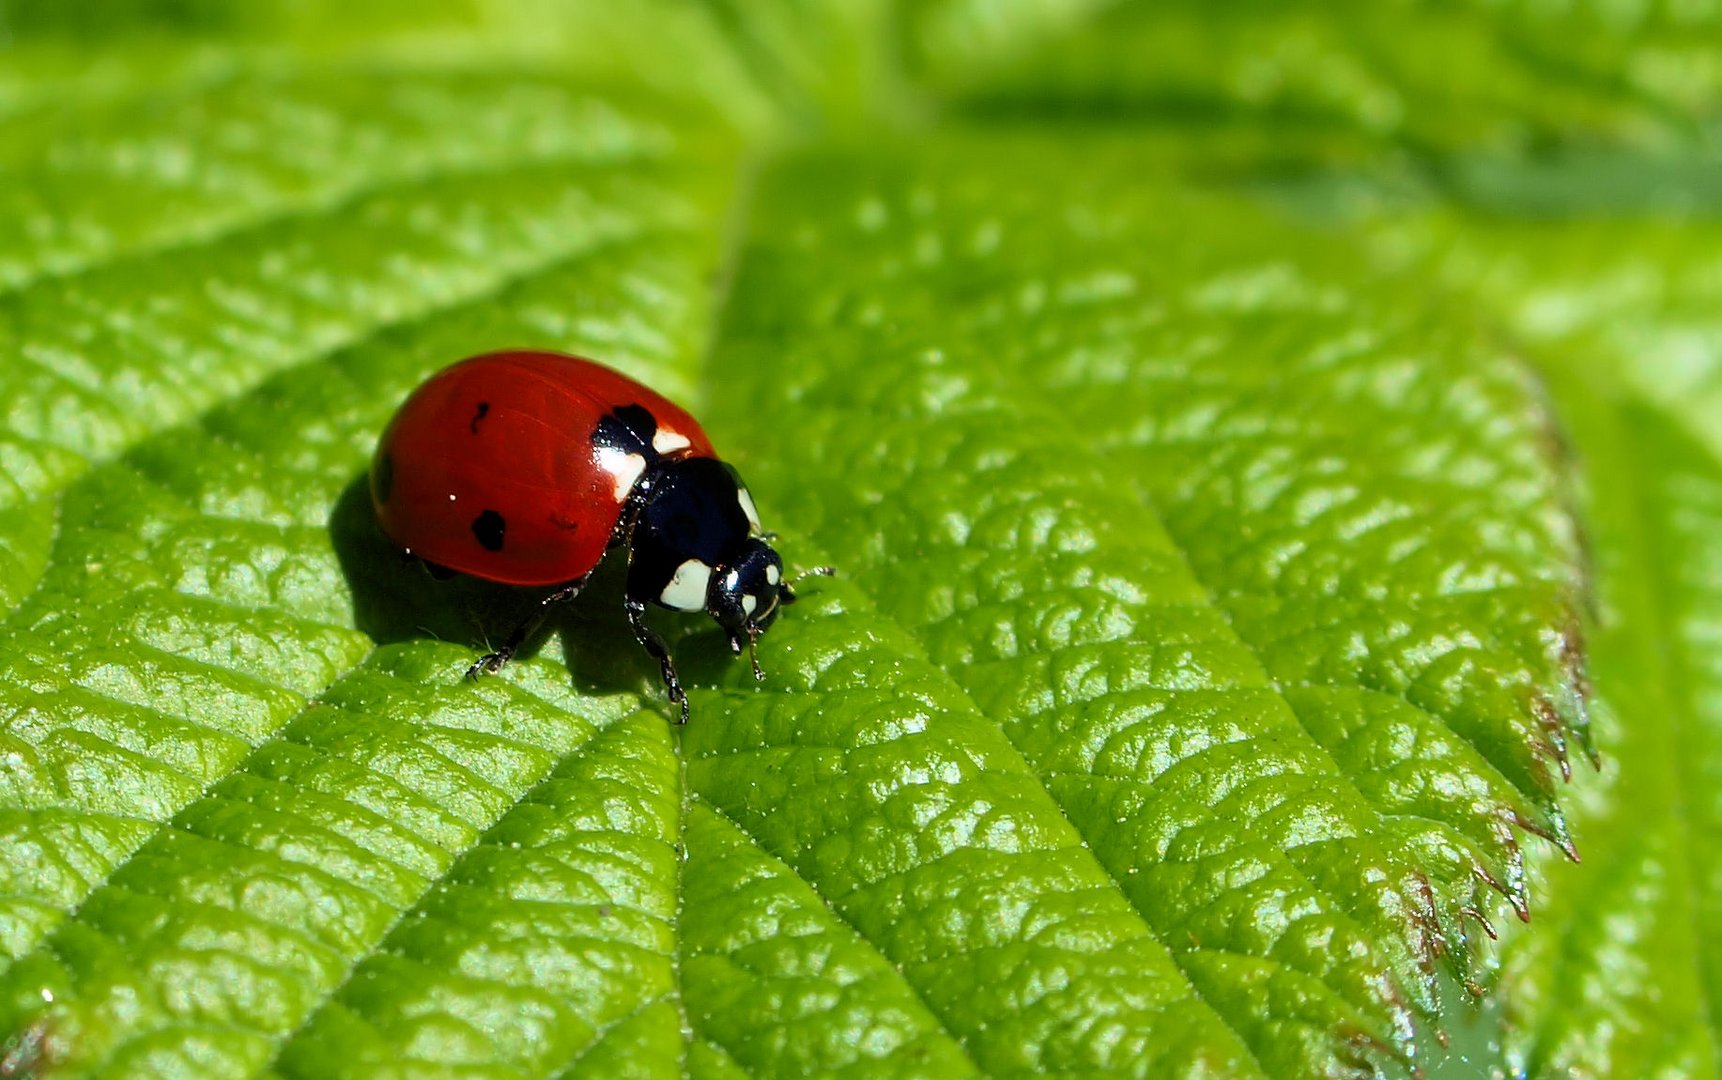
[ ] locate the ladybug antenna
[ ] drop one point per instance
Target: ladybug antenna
(787, 593)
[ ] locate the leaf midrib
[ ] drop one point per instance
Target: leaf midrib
(432, 883)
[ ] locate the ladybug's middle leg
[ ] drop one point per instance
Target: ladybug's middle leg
(491, 663)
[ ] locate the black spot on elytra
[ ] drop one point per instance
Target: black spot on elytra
(628, 428)
(483, 410)
(488, 527)
(383, 477)
(639, 418)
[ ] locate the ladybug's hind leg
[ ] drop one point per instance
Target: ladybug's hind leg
(654, 645)
(491, 663)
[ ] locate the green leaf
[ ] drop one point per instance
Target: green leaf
(1074, 540)
(1433, 76)
(1206, 631)
(1618, 311)
(1626, 988)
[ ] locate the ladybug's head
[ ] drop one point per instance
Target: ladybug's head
(696, 543)
(744, 596)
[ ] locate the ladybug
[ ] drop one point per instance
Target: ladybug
(527, 467)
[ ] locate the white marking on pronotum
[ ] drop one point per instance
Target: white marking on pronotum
(749, 602)
(665, 441)
(747, 508)
(687, 588)
(772, 574)
(624, 467)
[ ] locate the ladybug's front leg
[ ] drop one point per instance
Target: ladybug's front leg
(653, 644)
(491, 663)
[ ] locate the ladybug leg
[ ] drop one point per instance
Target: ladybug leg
(654, 645)
(491, 663)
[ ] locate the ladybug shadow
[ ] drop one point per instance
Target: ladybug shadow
(397, 598)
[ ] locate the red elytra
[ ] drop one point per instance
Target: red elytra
(510, 434)
(525, 467)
